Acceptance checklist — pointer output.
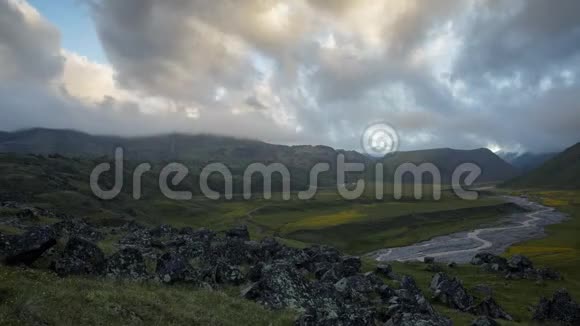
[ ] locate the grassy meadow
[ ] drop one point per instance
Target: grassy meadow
(34, 297)
(354, 226)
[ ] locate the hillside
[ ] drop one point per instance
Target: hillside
(527, 161)
(180, 147)
(493, 167)
(562, 171)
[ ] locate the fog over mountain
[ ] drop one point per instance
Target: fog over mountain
(464, 74)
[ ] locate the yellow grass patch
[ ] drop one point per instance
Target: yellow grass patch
(541, 251)
(323, 221)
(553, 202)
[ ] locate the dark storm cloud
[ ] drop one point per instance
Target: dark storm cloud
(159, 48)
(530, 37)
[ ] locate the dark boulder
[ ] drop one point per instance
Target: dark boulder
(491, 259)
(517, 267)
(269, 248)
(434, 268)
(333, 274)
(163, 230)
(192, 243)
(255, 272)
(429, 260)
(519, 263)
(547, 274)
(239, 232)
(408, 283)
(406, 301)
(281, 286)
(321, 257)
(186, 231)
(450, 292)
(172, 267)
(351, 265)
(386, 270)
(78, 228)
(127, 263)
(489, 308)
(28, 247)
(560, 308)
(80, 257)
(357, 287)
(385, 292)
(228, 274)
(231, 251)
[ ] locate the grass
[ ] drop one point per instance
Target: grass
(560, 249)
(36, 297)
(394, 231)
(515, 296)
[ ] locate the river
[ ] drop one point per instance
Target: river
(460, 247)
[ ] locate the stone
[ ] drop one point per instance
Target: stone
(163, 230)
(547, 274)
(408, 283)
(239, 232)
(434, 268)
(429, 260)
(80, 257)
(385, 292)
(173, 267)
(488, 307)
(128, 263)
(487, 258)
(27, 248)
(519, 263)
(351, 265)
(321, 257)
(78, 228)
(384, 270)
(333, 274)
(560, 308)
(356, 283)
(450, 292)
(228, 274)
(281, 286)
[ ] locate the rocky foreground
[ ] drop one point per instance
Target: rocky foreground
(322, 285)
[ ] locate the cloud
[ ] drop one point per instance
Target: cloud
(445, 73)
(29, 45)
(530, 38)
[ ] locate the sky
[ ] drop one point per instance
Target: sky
(501, 74)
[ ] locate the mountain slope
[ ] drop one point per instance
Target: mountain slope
(179, 147)
(527, 161)
(562, 171)
(447, 160)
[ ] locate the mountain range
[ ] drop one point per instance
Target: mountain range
(237, 152)
(561, 171)
(527, 161)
